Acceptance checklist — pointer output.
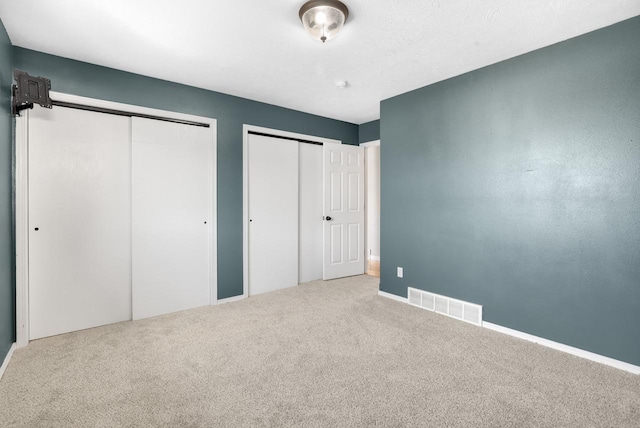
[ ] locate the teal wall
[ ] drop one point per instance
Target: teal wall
(369, 131)
(93, 81)
(7, 288)
(517, 186)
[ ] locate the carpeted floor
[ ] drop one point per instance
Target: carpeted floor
(321, 354)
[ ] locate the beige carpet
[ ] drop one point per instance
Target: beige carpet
(321, 354)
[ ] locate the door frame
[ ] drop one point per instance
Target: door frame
(374, 143)
(246, 128)
(22, 199)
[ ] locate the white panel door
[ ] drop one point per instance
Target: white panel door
(273, 213)
(171, 213)
(79, 220)
(343, 211)
(310, 217)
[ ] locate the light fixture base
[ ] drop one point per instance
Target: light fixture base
(336, 4)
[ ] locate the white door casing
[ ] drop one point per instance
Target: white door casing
(372, 199)
(273, 213)
(171, 217)
(79, 220)
(343, 211)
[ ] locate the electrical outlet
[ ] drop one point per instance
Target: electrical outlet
(400, 272)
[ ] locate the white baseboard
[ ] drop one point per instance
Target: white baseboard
(6, 359)
(392, 296)
(231, 299)
(544, 342)
(374, 258)
(564, 348)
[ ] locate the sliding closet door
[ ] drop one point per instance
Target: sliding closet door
(79, 220)
(172, 205)
(273, 213)
(310, 209)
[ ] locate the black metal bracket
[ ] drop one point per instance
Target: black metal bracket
(17, 108)
(28, 91)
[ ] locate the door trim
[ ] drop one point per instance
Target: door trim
(22, 198)
(373, 143)
(246, 128)
(22, 229)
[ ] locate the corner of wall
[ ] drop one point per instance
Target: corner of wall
(7, 277)
(369, 131)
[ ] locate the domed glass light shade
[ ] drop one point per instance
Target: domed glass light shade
(323, 19)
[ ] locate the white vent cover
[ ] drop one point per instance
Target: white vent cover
(454, 308)
(415, 297)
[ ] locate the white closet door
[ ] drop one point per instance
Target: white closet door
(344, 211)
(79, 220)
(273, 213)
(172, 188)
(311, 206)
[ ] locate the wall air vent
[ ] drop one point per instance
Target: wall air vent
(454, 308)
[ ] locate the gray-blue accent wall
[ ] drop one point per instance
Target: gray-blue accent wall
(7, 287)
(369, 131)
(517, 186)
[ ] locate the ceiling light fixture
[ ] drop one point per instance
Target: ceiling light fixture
(323, 19)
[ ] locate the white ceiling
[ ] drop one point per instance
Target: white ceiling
(258, 49)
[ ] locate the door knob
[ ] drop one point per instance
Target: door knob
(328, 218)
